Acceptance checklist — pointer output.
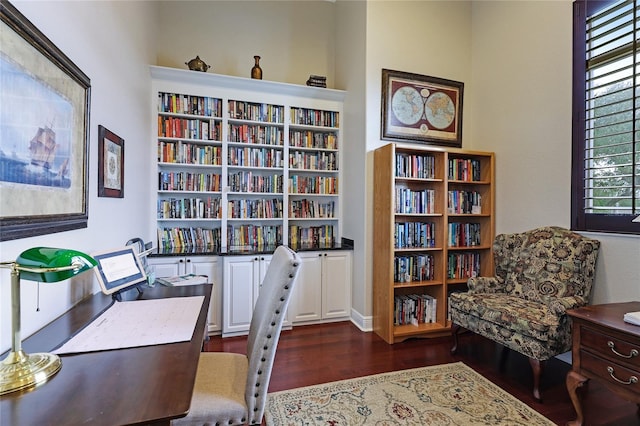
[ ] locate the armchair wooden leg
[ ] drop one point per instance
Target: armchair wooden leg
(454, 334)
(536, 366)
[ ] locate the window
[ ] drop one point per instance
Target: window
(606, 118)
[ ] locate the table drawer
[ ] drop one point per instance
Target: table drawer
(618, 350)
(611, 373)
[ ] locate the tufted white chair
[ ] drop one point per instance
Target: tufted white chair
(231, 389)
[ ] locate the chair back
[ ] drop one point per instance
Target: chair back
(266, 325)
(546, 263)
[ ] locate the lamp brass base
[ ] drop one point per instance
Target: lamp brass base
(22, 371)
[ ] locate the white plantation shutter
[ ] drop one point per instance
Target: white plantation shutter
(606, 175)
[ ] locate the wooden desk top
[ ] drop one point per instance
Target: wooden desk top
(609, 315)
(150, 384)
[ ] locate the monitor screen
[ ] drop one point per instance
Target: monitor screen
(118, 269)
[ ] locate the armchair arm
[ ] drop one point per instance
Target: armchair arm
(485, 285)
(560, 305)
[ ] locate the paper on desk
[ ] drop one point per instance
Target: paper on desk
(138, 323)
(632, 318)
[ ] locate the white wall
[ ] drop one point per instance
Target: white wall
(112, 43)
(522, 103)
(351, 57)
(293, 38)
(431, 38)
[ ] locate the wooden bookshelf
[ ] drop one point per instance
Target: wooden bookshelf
(434, 226)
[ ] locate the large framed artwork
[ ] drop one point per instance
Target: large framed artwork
(44, 138)
(419, 108)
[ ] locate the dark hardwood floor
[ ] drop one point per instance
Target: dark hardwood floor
(313, 354)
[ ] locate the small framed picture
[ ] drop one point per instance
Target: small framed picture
(421, 108)
(110, 164)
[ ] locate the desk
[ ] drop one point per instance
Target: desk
(607, 349)
(150, 385)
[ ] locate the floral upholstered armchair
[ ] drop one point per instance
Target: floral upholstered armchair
(539, 275)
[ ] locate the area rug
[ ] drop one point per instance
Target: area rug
(448, 394)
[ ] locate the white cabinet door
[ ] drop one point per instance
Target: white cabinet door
(306, 300)
(169, 266)
(242, 279)
(239, 293)
(336, 285)
(209, 266)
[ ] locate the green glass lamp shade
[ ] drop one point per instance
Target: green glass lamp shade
(53, 258)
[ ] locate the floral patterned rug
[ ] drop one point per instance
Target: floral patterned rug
(448, 394)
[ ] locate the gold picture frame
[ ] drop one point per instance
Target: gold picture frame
(44, 136)
(420, 108)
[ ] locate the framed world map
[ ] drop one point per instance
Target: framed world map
(421, 108)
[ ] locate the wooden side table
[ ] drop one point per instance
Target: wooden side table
(607, 349)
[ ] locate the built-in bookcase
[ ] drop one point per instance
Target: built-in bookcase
(434, 227)
(245, 164)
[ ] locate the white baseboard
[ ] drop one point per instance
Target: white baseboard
(362, 322)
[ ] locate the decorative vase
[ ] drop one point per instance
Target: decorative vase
(256, 71)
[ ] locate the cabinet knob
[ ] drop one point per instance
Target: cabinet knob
(255, 258)
(188, 260)
(181, 260)
(319, 254)
(262, 258)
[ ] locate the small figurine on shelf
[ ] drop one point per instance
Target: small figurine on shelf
(197, 64)
(256, 71)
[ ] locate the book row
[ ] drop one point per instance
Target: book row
(189, 239)
(414, 309)
(464, 234)
(408, 201)
(186, 104)
(415, 166)
(254, 209)
(463, 265)
(311, 209)
(246, 181)
(242, 110)
(245, 133)
(414, 235)
(309, 139)
(189, 208)
(327, 185)
(464, 169)
(243, 236)
(254, 236)
(188, 153)
(314, 117)
(327, 161)
(255, 157)
(311, 236)
(173, 127)
(418, 267)
(464, 202)
(185, 181)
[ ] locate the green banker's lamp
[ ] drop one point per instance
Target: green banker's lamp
(20, 370)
